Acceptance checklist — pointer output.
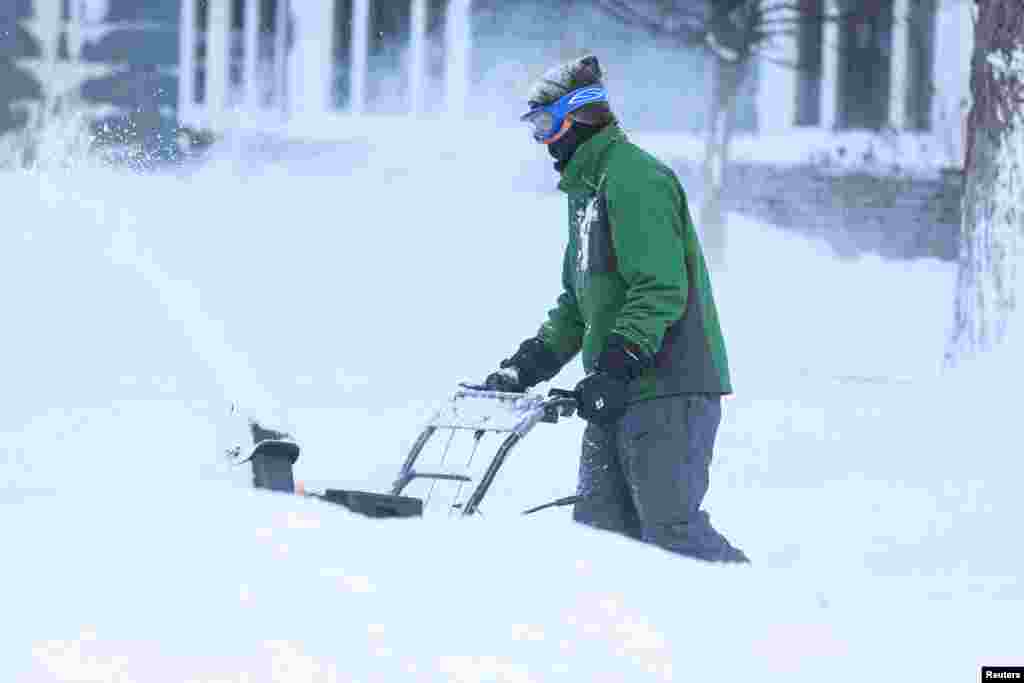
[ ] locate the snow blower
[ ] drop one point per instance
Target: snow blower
(471, 409)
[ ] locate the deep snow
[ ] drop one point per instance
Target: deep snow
(342, 297)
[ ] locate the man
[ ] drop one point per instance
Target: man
(637, 301)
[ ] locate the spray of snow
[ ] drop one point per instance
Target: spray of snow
(183, 304)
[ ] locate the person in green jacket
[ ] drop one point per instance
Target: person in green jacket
(636, 300)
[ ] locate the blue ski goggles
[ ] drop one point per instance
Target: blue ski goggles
(546, 120)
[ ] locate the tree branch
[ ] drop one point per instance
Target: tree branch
(687, 35)
(671, 14)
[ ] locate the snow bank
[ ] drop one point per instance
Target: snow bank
(249, 587)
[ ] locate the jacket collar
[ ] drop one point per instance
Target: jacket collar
(585, 167)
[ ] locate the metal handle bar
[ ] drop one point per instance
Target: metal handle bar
(560, 403)
(566, 402)
(564, 393)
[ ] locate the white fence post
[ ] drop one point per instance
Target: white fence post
(312, 59)
(187, 64)
(73, 29)
(951, 74)
(358, 57)
(777, 84)
(830, 66)
(281, 57)
(252, 55)
(458, 37)
(418, 58)
(898, 63)
(218, 59)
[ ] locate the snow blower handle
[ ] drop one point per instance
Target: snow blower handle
(562, 402)
(563, 393)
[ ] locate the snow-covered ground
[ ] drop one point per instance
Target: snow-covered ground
(343, 297)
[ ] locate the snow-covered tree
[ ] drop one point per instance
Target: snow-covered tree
(17, 85)
(993, 207)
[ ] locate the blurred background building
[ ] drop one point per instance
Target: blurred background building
(900, 64)
(208, 64)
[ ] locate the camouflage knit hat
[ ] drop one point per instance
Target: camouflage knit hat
(561, 80)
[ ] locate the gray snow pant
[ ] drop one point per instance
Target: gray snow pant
(645, 476)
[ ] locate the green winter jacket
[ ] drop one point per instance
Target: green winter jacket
(633, 265)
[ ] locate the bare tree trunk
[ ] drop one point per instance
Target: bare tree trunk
(993, 208)
(725, 80)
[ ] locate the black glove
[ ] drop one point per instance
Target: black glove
(601, 398)
(532, 364)
(506, 379)
(603, 393)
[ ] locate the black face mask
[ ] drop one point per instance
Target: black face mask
(562, 149)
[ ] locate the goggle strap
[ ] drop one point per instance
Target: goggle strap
(566, 124)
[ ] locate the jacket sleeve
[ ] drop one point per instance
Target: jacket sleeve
(645, 213)
(563, 330)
